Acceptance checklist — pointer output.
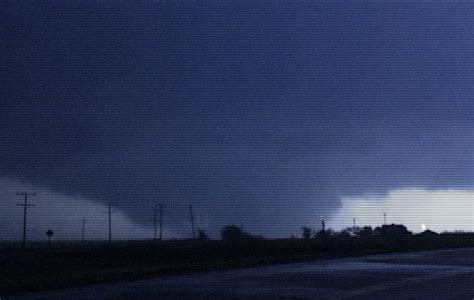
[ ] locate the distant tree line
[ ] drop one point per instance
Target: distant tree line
(236, 233)
(391, 230)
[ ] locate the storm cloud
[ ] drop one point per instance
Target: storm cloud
(261, 115)
(63, 214)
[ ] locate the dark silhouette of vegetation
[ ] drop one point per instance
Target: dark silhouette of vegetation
(232, 233)
(428, 233)
(306, 233)
(236, 233)
(202, 235)
(351, 231)
(392, 230)
(366, 231)
(325, 233)
(49, 233)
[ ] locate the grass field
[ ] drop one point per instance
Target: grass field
(69, 264)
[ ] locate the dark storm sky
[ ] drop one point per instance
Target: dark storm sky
(261, 114)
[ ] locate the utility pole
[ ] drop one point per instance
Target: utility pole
(192, 219)
(110, 223)
(83, 230)
(154, 223)
(354, 224)
(323, 224)
(25, 208)
(384, 219)
(109, 212)
(161, 222)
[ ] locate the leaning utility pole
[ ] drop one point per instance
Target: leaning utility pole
(161, 221)
(25, 208)
(192, 219)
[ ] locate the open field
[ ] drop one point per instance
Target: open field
(65, 265)
(438, 274)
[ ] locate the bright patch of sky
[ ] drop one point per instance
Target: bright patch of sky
(437, 210)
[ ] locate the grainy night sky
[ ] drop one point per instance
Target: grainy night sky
(265, 114)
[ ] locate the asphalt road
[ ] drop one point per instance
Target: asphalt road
(443, 274)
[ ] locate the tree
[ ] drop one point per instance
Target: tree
(350, 231)
(365, 231)
(49, 233)
(202, 235)
(347, 231)
(232, 233)
(306, 233)
(391, 230)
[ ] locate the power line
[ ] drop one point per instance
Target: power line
(25, 208)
